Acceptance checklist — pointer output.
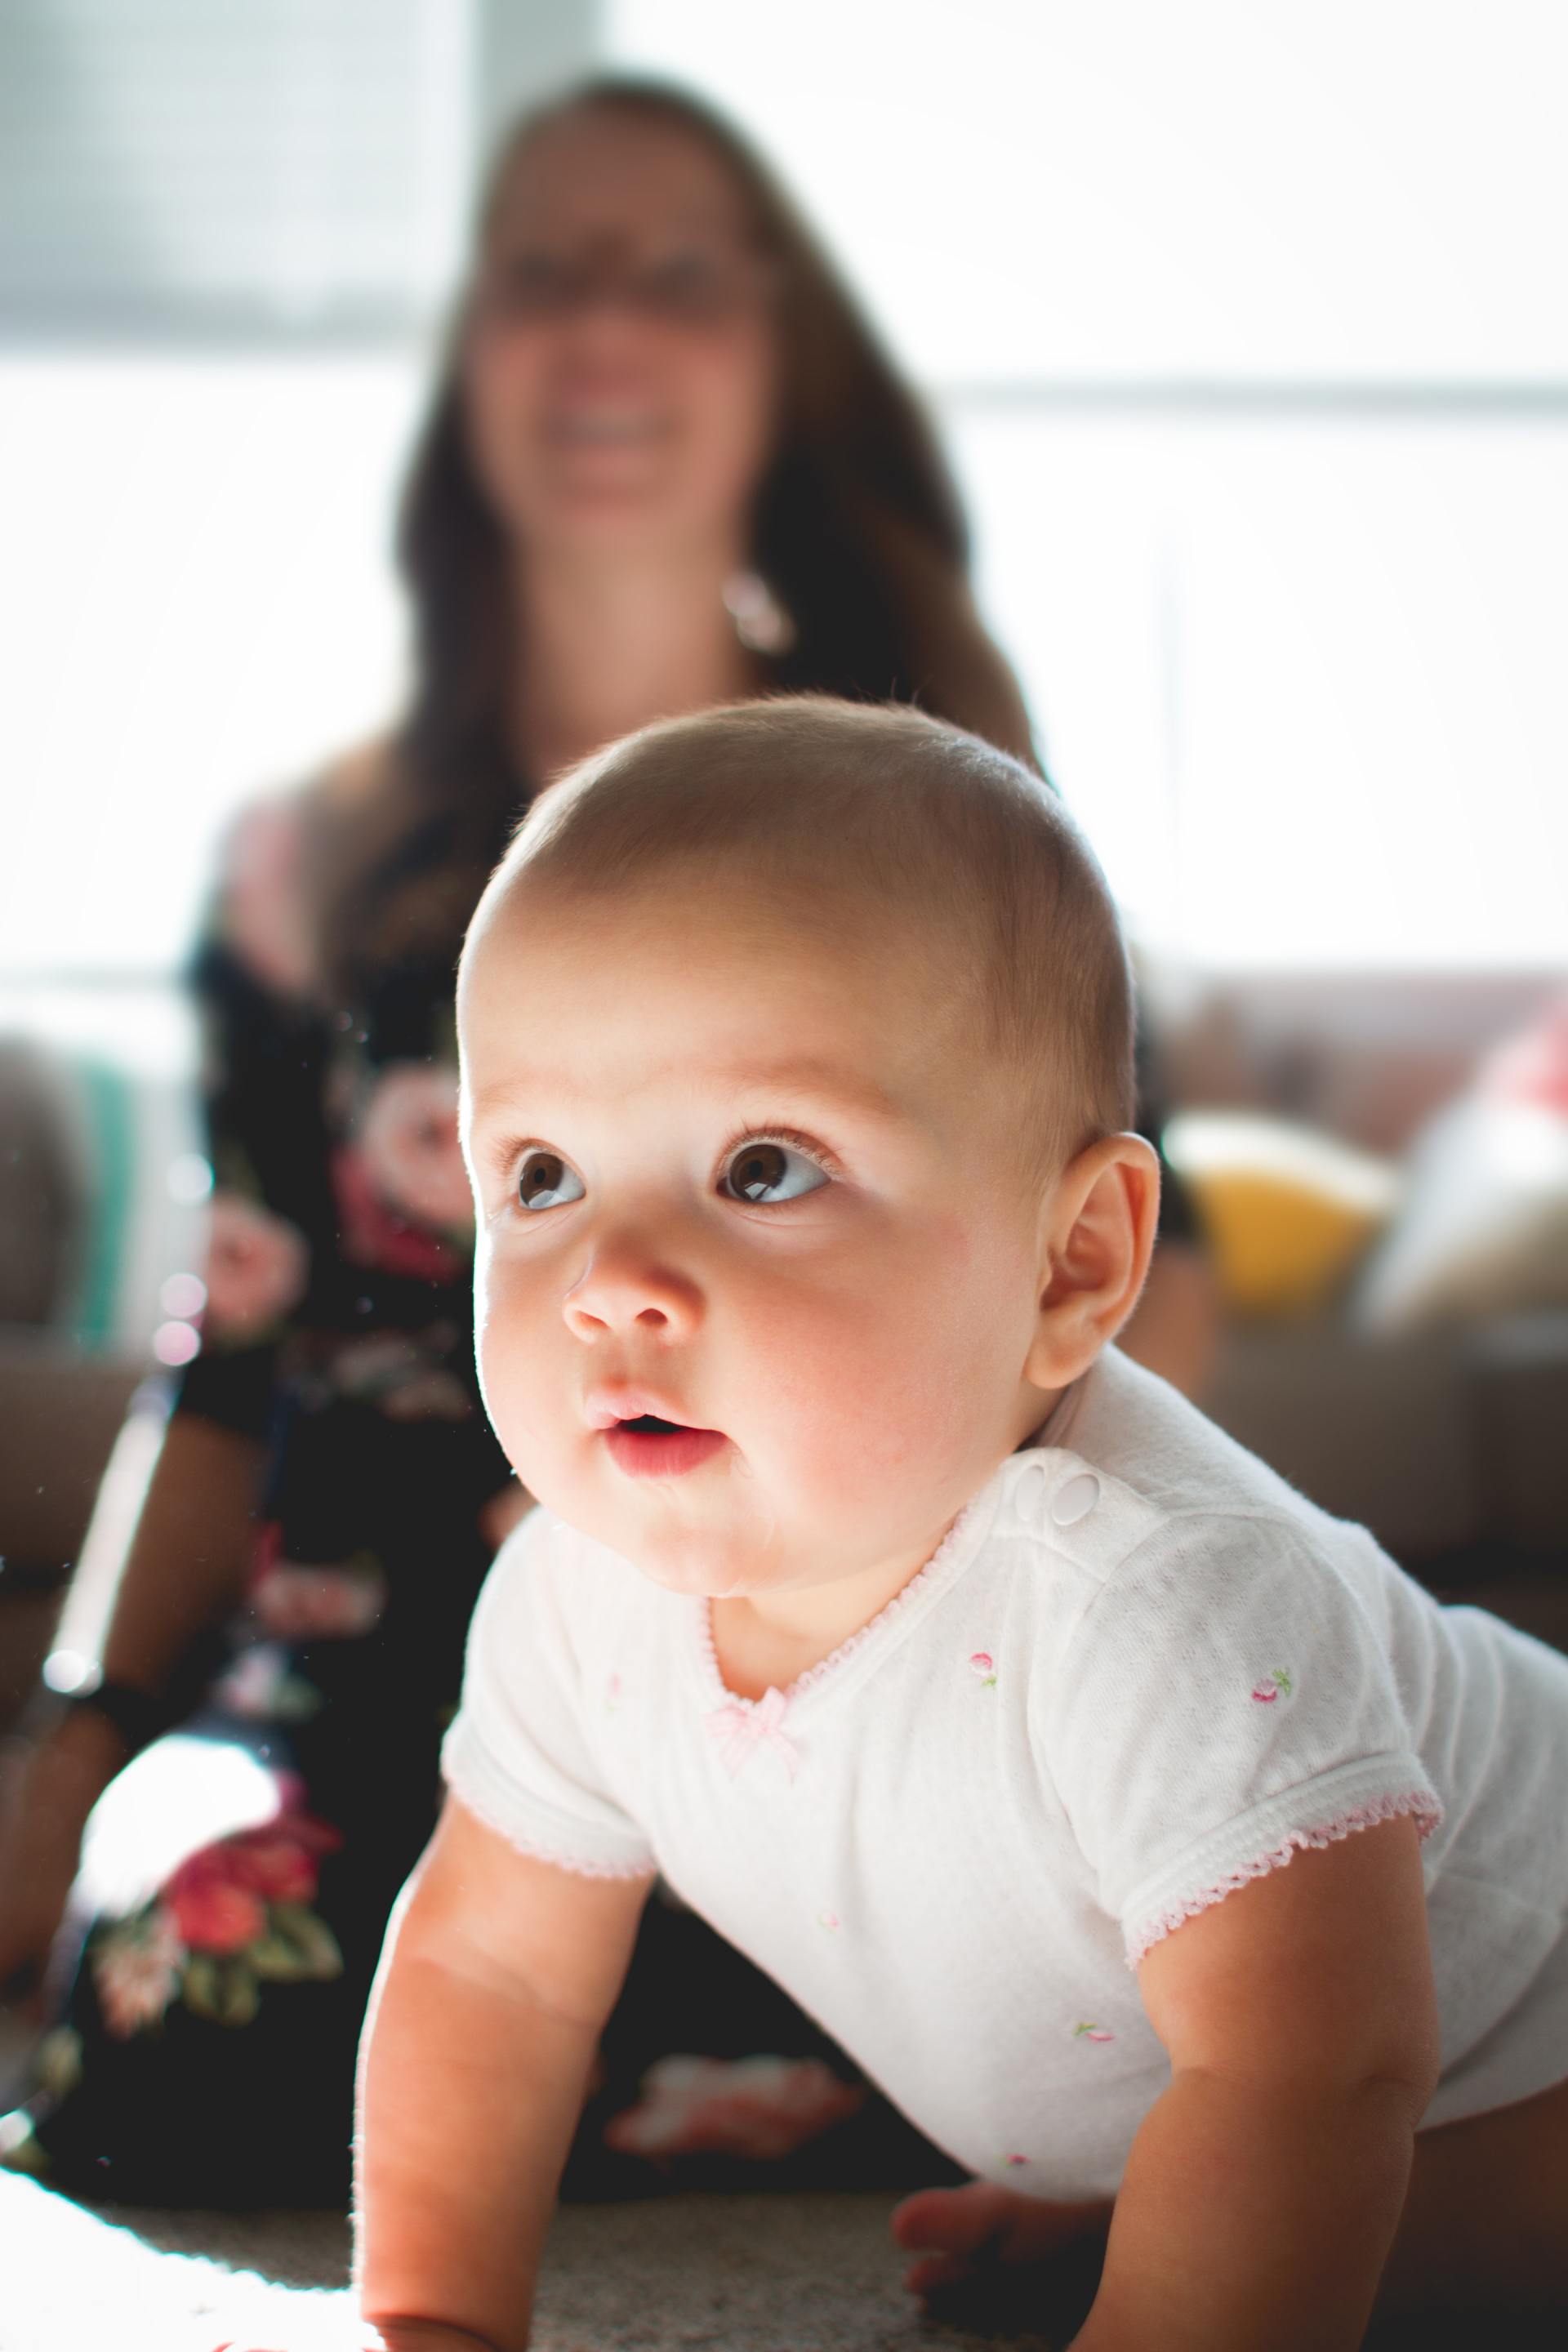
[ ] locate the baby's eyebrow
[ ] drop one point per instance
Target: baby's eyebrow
(800, 1082)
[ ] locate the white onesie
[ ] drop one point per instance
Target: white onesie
(1139, 1670)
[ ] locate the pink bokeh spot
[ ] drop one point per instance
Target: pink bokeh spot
(1532, 1067)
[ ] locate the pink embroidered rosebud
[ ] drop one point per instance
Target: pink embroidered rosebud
(612, 1694)
(1087, 2031)
(1014, 2159)
(982, 1663)
(1275, 1684)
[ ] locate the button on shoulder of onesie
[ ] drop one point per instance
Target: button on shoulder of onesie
(1075, 1498)
(1032, 1481)
(1075, 1512)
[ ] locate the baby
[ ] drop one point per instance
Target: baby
(955, 1668)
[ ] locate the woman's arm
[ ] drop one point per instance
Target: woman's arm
(184, 1569)
(188, 1560)
(495, 1982)
(1265, 2185)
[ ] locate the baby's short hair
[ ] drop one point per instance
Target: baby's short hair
(920, 828)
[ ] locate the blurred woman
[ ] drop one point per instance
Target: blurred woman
(666, 466)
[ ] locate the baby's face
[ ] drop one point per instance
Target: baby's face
(752, 1185)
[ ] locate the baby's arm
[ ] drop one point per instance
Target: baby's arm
(1265, 2185)
(497, 1975)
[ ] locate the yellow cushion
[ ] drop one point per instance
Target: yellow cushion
(1287, 1210)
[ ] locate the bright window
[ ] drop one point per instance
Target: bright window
(1243, 325)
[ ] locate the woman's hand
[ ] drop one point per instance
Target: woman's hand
(48, 1795)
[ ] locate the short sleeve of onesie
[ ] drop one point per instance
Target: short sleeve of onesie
(1225, 1698)
(516, 1754)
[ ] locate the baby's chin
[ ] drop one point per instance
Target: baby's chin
(716, 1559)
(692, 1560)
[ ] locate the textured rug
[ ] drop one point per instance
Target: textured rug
(737, 2274)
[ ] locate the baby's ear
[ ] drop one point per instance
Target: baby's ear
(1096, 1235)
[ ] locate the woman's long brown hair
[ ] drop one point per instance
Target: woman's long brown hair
(856, 527)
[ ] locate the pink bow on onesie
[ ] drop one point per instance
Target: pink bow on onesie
(740, 1730)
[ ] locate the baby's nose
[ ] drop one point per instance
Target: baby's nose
(627, 1293)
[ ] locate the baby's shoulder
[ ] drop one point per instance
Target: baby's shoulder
(1153, 1523)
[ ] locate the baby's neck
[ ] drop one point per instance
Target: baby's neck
(769, 1641)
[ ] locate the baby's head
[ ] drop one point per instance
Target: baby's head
(797, 1071)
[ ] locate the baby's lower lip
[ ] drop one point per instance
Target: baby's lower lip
(661, 1452)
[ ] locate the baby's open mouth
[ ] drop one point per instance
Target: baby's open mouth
(649, 1447)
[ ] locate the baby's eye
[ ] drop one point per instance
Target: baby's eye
(759, 1169)
(540, 1181)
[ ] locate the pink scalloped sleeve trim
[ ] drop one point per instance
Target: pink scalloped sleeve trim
(1417, 1801)
(540, 1850)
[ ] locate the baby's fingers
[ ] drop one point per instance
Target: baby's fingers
(934, 2272)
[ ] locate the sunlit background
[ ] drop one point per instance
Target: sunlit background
(1246, 325)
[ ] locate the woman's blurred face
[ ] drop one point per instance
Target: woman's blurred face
(620, 364)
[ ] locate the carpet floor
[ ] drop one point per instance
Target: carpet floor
(781, 2272)
(737, 2274)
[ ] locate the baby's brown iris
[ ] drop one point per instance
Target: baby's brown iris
(542, 1173)
(758, 1169)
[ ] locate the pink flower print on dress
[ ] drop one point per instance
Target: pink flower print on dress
(1276, 1684)
(136, 1970)
(255, 1268)
(983, 1665)
(296, 1601)
(371, 1232)
(266, 902)
(409, 1139)
(218, 1895)
(1086, 2029)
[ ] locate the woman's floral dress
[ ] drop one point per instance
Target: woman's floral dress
(207, 2043)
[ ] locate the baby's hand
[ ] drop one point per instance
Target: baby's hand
(1001, 2263)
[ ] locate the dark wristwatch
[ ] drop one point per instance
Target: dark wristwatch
(138, 1715)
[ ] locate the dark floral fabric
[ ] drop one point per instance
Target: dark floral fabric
(206, 2044)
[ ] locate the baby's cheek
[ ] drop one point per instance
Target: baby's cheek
(843, 1382)
(505, 1361)
(946, 1337)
